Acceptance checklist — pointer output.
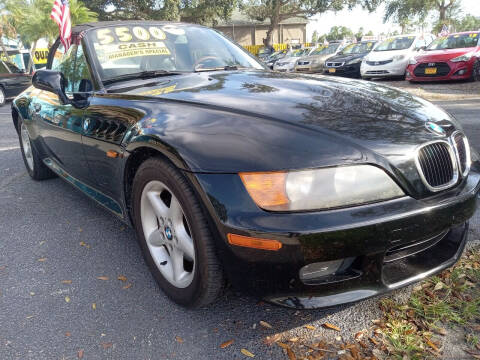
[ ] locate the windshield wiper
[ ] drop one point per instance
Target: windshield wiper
(141, 75)
(220, 68)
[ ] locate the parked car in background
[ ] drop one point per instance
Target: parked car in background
(287, 63)
(390, 58)
(265, 52)
(452, 57)
(13, 79)
(315, 62)
(347, 62)
(272, 59)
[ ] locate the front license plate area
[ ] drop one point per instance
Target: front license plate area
(331, 70)
(430, 71)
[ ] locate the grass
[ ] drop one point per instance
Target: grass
(416, 328)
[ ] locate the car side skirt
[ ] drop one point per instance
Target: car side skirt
(102, 199)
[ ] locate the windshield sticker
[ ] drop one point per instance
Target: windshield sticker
(133, 49)
(123, 34)
(172, 29)
(473, 35)
(126, 34)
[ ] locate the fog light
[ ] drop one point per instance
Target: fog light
(461, 72)
(318, 270)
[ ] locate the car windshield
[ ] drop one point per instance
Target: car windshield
(455, 41)
(397, 43)
(12, 67)
(131, 49)
(298, 53)
(330, 49)
(359, 48)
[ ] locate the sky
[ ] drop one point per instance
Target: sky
(356, 18)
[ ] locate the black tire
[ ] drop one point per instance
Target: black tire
(40, 171)
(208, 280)
(3, 97)
(476, 71)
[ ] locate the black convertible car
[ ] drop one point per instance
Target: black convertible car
(307, 190)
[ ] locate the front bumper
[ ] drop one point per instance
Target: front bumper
(392, 69)
(458, 71)
(309, 68)
(345, 70)
(284, 68)
(392, 243)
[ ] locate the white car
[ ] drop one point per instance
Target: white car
(287, 64)
(390, 57)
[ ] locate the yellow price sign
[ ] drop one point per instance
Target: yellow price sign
(40, 56)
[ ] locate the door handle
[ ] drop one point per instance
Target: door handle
(37, 107)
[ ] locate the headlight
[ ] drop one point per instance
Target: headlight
(354, 61)
(398, 57)
(321, 188)
(412, 61)
(464, 57)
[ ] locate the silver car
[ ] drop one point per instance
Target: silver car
(315, 62)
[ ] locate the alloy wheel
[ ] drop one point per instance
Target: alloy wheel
(2, 97)
(27, 146)
(167, 234)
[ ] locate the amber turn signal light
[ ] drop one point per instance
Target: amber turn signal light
(112, 154)
(267, 189)
(254, 243)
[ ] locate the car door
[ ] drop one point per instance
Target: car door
(13, 79)
(61, 125)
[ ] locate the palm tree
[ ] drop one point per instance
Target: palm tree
(31, 19)
(7, 30)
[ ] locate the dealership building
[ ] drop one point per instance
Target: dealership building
(246, 31)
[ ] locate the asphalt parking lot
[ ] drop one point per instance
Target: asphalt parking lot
(60, 297)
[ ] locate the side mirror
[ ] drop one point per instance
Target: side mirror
(53, 81)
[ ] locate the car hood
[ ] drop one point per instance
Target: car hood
(358, 110)
(308, 121)
(445, 55)
(347, 57)
(316, 57)
(289, 59)
(386, 55)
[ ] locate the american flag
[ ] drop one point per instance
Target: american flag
(444, 31)
(61, 15)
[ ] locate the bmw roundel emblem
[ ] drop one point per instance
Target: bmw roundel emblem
(168, 233)
(435, 128)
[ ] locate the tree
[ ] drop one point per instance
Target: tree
(359, 34)
(404, 12)
(7, 30)
(469, 22)
(277, 11)
(339, 33)
(124, 9)
(205, 12)
(315, 36)
(31, 19)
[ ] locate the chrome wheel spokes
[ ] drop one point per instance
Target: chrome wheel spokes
(167, 234)
(27, 146)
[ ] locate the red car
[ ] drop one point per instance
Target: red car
(452, 57)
